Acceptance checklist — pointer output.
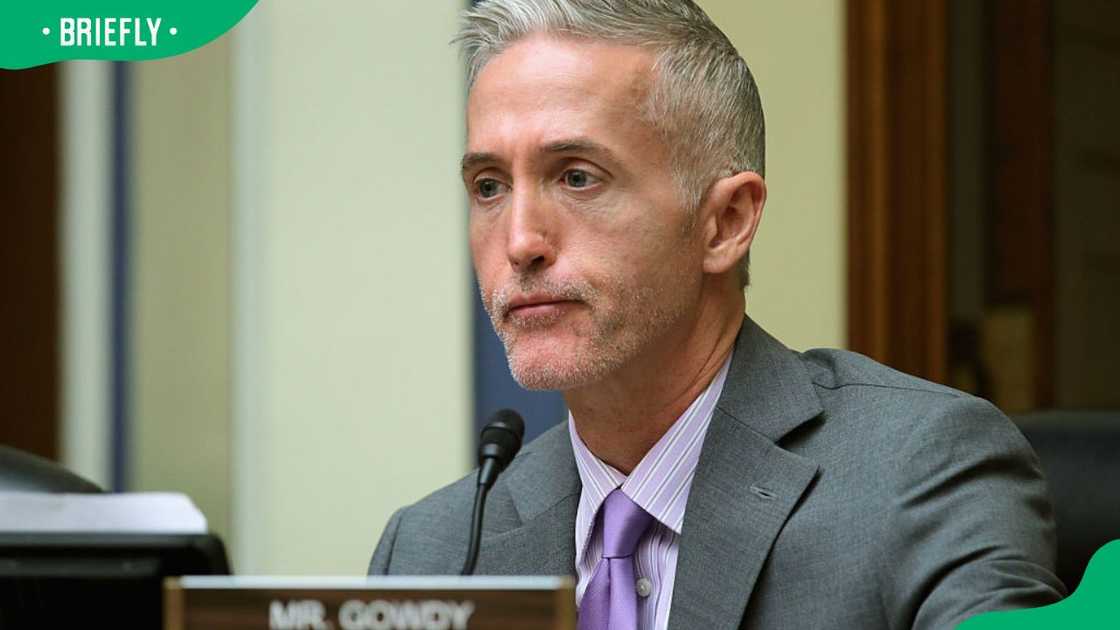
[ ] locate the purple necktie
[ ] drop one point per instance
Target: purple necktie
(610, 601)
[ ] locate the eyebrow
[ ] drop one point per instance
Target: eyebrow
(579, 145)
(471, 160)
(569, 145)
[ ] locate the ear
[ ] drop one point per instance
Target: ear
(731, 211)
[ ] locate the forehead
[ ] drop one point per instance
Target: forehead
(544, 88)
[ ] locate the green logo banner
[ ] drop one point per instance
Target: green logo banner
(37, 32)
(1095, 603)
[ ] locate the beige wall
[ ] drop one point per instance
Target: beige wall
(798, 263)
(352, 277)
(180, 282)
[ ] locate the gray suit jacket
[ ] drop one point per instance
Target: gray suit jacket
(831, 492)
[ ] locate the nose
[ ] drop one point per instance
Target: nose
(530, 242)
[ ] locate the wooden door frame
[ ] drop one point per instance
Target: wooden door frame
(897, 183)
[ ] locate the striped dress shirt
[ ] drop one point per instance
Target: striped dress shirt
(660, 484)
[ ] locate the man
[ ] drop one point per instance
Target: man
(708, 477)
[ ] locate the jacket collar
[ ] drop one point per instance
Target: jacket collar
(768, 389)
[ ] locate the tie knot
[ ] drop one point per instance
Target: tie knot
(624, 522)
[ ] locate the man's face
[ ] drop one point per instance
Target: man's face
(583, 250)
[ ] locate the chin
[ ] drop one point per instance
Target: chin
(548, 378)
(559, 364)
(551, 368)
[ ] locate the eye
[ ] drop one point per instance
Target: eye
(576, 178)
(488, 188)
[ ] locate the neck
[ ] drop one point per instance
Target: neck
(620, 418)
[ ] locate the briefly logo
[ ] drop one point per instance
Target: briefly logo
(108, 32)
(37, 32)
(1092, 605)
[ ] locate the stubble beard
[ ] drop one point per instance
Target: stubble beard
(616, 335)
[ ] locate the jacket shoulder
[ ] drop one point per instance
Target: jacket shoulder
(873, 405)
(458, 496)
(431, 535)
(833, 369)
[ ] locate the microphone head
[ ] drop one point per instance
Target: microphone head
(501, 438)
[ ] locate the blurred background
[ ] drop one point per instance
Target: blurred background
(242, 273)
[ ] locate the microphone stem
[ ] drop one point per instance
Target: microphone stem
(476, 528)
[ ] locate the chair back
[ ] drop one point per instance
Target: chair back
(23, 472)
(1080, 455)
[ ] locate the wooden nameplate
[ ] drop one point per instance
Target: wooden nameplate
(375, 603)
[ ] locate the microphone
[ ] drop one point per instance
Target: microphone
(499, 442)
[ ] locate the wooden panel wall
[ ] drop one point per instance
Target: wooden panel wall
(29, 322)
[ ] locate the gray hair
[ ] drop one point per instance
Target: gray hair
(704, 101)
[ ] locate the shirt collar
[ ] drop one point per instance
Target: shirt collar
(660, 482)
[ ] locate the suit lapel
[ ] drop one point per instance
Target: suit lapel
(746, 486)
(742, 495)
(544, 492)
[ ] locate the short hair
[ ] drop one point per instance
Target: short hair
(704, 101)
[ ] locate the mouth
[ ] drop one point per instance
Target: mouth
(537, 306)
